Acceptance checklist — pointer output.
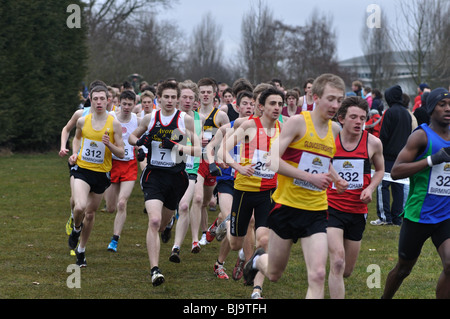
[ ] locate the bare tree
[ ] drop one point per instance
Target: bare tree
(308, 50)
(111, 14)
(437, 64)
(158, 49)
(259, 53)
(205, 53)
(110, 25)
(415, 34)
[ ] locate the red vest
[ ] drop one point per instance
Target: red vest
(353, 166)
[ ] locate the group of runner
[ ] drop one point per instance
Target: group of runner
(278, 178)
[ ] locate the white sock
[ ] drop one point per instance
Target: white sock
(254, 261)
(241, 254)
(81, 250)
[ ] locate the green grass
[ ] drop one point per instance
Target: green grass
(34, 207)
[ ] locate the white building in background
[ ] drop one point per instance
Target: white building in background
(400, 71)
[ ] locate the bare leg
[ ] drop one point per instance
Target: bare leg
(315, 251)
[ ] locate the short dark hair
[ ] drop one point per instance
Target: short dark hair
(208, 82)
(95, 83)
(127, 95)
(243, 94)
(241, 84)
(127, 85)
(276, 80)
(308, 81)
(168, 85)
(352, 101)
(377, 93)
(227, 90)
(293, 93)
(149, 88)
(99, 88)
(270, 91)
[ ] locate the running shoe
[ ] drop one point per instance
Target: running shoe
(175, 256)
(221, 230)
(219, 271)
(211, 233)
(113, 245)
(74, 237)
(256, 295)
(238, 269)
(203, 240)
(157, 277)
(167, 232)
(195, 247)
(81, 259)
(69, 225)
(377, 222)
(249, 271)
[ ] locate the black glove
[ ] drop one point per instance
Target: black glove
(443, 155)
(144, 140)
(140, 155)
(168, 143)
(214, 170)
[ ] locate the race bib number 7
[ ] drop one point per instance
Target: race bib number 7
(161, 156)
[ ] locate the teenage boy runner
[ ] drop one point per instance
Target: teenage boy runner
(254, 183)
(206, 178)
(98, 135)
(306, 147)
(225, 182)
(164, 180)
(356, 151)
(124, 171)
(189, 93)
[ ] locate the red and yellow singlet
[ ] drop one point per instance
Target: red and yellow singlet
(255, 152)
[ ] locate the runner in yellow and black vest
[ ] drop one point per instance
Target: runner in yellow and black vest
(98, 135)
(306, 147)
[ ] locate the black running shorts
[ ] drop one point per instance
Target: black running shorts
(292, 223)
(98, 181)
(352, 224)
(244, 205)
(165, 186)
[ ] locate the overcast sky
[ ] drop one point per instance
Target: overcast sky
(348, 17)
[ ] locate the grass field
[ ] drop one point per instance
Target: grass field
(34, 258)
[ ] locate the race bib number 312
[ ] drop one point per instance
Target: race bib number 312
(93, 151)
